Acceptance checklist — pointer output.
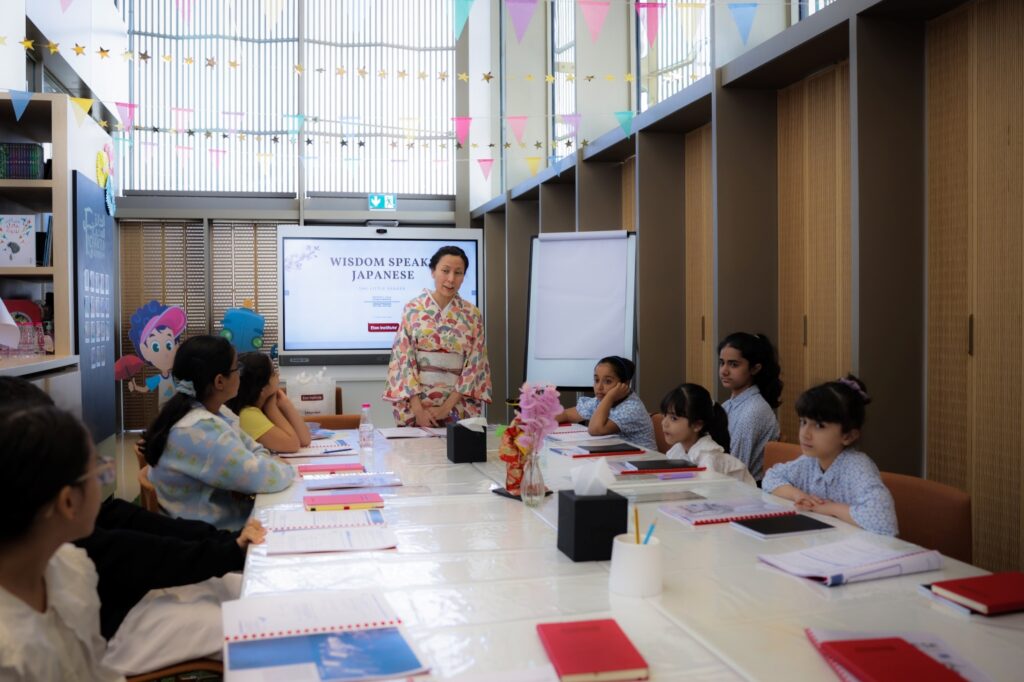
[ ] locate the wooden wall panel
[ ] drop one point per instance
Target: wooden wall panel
(494, 313)
(701, 367)
(629, 194)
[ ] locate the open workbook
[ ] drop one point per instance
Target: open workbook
(854, 559)
(303, 532)
(314, 636)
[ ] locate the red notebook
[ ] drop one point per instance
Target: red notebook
(988, 594)
(591, 651)
(889, 659)
(328, 468)
(344, 501)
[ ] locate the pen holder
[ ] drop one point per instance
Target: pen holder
(465, 446)
(587, 524)
(636, 568)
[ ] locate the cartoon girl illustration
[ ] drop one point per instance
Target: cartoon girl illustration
(154, 332)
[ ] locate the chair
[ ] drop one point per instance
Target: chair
(147, 491)
(659, 435)
(777, 452)
(932, 514)
(180, 670)
(334, 421)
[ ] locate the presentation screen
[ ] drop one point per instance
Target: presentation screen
(581, 305)
(343, 288)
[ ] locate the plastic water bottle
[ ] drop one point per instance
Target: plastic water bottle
(365, 428)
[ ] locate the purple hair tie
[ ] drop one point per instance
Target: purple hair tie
(853, 384)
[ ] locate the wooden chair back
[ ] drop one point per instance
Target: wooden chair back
(932, 514)
(659, 436)
(777, 452)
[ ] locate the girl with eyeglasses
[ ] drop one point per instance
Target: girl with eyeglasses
(199, 457)
(264, 411)
(49, 608)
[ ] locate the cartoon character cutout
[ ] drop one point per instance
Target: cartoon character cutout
(243, 327)
(155, 330)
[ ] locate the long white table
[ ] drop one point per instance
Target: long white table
(474, 573)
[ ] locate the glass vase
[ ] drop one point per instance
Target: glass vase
(532, 488)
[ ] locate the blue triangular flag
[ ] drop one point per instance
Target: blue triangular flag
(19, 100)
(625, 120)
(743, 14)
(462, 8)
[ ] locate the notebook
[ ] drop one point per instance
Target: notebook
(321, 448)
(284, 519)
(342, 501)
(328, 468)
(608, 449)
(854, 559)
(988, 594)
(658, 466)
(405, 432)
(591, 651)
(384, 479)
(316, 540)
(827, 642)
(348, 635)
(781, 526)
(723, 511)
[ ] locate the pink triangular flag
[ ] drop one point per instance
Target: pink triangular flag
(217, 155)
(127, 113)
(518, 125)
(64, 4)
(485, 167)
(462, 127)
(520, 11)
(185, 7)
(594, 13)
(650, 12)
(572, 120)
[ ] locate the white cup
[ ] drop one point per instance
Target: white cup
(636, 569)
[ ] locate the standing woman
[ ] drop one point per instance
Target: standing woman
(439, 370)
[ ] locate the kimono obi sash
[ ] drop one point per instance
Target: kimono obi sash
(439, 368)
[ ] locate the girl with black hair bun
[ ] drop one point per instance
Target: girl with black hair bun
(749, 369)
(698, 430)
(615, 408)
(49, 608)
(831, 477)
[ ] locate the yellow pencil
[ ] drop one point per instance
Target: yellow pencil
(636, 524)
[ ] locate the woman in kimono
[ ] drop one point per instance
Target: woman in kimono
(439, 370)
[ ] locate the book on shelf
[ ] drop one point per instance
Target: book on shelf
(654, 466)
(591, 651)
(883, 656)
(335, 468)
(853, 559)
(781, 526)
(350, 635)
(986, 594)
(343, 502)
(722, 511)
(17, 241)
(383, 479)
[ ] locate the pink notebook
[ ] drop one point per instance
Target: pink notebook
(343, 501)
(328, 468)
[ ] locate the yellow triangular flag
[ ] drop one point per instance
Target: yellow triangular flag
(82, 107)
(534, 163)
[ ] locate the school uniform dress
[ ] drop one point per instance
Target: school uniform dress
(629, 415)
(852, 479)
(752, 423)
(436, 351)
(707, 453)
(64, 643)
(207, 461)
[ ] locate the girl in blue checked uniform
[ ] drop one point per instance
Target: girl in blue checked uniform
(615, 408)
(831, 477)
(199, 458)
(748, 368)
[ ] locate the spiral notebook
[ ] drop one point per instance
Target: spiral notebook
(723, 511)
(287, 519)
(313, 636)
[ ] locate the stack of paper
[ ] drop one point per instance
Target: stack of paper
(853, 559)
(321, 448)
(302, 532)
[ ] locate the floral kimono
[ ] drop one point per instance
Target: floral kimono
(435, 352)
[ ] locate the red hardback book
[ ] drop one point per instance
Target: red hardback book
(988, 594)
(341, 502)
(888, 659)
(591, 651)
(328, 468)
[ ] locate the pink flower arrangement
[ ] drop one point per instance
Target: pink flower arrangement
(538, 407)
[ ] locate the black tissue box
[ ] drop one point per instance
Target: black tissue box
(587, 524)
(466, 446)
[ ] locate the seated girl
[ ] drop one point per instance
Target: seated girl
(615, 408)
(831, 477)
(698, 430)
(199, 457)
(264, 411)
(49, 609)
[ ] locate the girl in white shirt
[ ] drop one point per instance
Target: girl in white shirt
(49, 609)
(698, 430)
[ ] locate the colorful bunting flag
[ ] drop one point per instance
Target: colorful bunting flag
(126, 111)
(573, 121)
(625, 121)
(743, 15)
(64, 4)
(518, 126)
(485, 167)
(594, 13)
(19, 100)
(81, 108)
(520, 11)
(533, 162)
(217, 155)
(185, 8)
(462, 127)
(462, 8)
(650, 13)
